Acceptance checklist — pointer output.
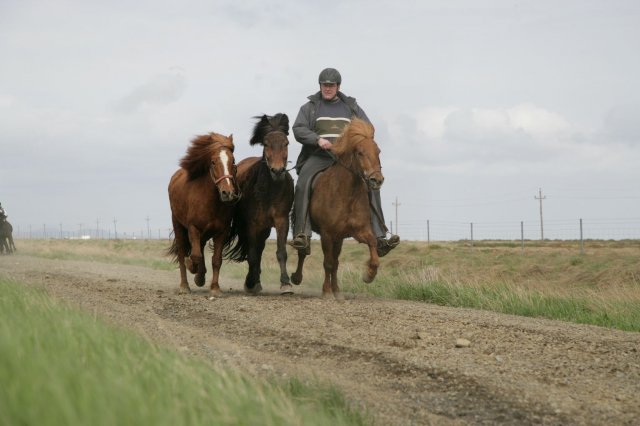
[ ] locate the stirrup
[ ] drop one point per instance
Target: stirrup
(386, 245)
(300, 242)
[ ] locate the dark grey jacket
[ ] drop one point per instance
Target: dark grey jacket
(303, 127)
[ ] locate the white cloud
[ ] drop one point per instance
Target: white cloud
(502, 141)
(162, 89)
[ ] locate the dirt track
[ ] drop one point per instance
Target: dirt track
(397, 358)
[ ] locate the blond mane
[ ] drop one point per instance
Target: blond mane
(355, 132)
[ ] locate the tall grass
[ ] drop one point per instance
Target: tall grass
(551, 279)
(59, 366)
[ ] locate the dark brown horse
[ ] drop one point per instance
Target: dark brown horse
(339, 206)
(202, 194)
(6, 237)
(267, 190)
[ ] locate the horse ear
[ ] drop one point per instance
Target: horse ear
(231, 137)
(284, 123)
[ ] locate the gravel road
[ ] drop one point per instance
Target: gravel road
(397, 358)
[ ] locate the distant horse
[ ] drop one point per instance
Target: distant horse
(267, 190)
(6, 237)
(339, 206)
(202, 194)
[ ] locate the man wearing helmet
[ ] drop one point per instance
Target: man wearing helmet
(3, 213)
(319, 123)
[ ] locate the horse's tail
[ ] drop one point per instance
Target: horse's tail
(173, 249)
(236, 245)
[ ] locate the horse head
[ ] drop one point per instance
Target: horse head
(223, 168)
(271, 132)
(357, 142)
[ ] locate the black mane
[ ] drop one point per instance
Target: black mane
(278, 122)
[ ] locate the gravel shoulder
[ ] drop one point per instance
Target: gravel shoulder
(397, 358)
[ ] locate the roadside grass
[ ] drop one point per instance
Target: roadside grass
(550, 279)
(148, 253)
(59, 366)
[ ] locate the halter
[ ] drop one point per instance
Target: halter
(218, 180)
(362, 175)
(264, 160)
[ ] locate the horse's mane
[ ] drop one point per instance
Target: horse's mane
(355, 132)
(278, 122)
(197, 160)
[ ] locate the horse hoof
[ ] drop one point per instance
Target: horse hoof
(296, 279)
(184, 290)
(257, 288)
(339, 296)
(286, 289)
(215, 292)
(368, 277)
(199, 280)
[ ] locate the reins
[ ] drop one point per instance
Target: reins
(361, 175)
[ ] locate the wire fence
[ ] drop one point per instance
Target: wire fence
(578, 229)
(416, 230)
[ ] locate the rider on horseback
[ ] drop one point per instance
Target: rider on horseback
(319, 123)
(3, 213)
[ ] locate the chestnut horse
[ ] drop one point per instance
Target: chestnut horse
(339, 206)
(202, 194)
(267, 189)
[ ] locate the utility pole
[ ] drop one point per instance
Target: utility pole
(115, 230)
(148, 229)
(97, 228)
(540, 197)
(396, 204)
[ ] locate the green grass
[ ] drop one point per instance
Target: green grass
(60, 366)
(147, 253)
(551, 279)
(501, 298)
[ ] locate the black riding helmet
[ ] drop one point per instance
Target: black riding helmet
(330, 75)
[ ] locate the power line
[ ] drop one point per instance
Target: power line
(541, 223)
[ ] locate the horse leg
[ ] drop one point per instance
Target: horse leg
(201, 268)
(371, 268)
(196, 253)
(328, 264)
(296, 277)
(216, 263)
(254, 256)
(282, 229)
(12, 244)
(337, 248)
(181, 242)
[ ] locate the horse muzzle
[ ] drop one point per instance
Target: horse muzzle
(374, 181)
(277, 174)
(230, 196)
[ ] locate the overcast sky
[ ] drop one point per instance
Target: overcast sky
(476, 104)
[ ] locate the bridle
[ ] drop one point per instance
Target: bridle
(361, 174)
(216, 181)
(264, 160)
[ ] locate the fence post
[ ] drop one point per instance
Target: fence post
(581, 239)
(522, 236)
(471, 234)
(428, 233)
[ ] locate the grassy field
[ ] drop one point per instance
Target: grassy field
(551, 279)
(59, 366)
